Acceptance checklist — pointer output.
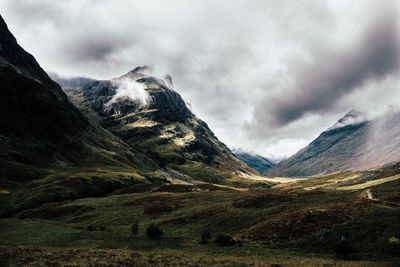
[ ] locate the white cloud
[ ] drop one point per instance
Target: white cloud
(130, 89)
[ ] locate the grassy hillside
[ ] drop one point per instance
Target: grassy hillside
(290, 224)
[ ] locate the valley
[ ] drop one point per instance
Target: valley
(122, 172)
(301, 221)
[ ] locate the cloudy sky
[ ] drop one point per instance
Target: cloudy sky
(267, 76)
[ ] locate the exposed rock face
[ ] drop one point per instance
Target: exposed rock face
(165, 105)
(148, 114)
(353, 143)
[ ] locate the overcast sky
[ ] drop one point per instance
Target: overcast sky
(267, 76)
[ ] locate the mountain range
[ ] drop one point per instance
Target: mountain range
(121, 172)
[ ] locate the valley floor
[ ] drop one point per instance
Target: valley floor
(285, 227)
(46, 256)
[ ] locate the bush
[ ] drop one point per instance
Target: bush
(153, 232)
(344, 249)
(134, 229)
(158, 208)
(205, 237)
(225, 240)
(260, 201)
(91, 227)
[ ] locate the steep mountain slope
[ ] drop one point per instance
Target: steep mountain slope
(257, 162)
(353, 143)
(43, 135)
(148, 114)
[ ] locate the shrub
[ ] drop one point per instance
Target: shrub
(260, 201)
(158, 208)
(225, 240)
(153, 232)
(344, 249)
(205, 237)
(134, 229)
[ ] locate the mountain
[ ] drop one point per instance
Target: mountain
(70, 82)
(255, 161)
(49, 151)
(149, 115)
(352, 143)
(134, 129)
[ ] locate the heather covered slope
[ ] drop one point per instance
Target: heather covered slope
(302, 222)
(353, 143)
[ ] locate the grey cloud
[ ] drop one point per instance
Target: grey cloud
(94, 48)
(317, 86)
(232, 60)
(34, 14)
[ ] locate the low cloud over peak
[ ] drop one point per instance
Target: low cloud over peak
(317, 85)
(268, 77)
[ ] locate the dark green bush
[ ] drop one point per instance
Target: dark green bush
(153, 232)
(344, 249)
(134, 229)
(225, 240)
(205, 237)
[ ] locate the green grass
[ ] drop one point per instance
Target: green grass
(286, 226)
(301, 222)
(44, 256)
(201, 172)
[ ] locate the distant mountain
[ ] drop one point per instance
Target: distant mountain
(275, 159)
(255, 161)
(149, 115)
(73, 82)
(353, 143)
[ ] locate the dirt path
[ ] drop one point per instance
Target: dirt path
(369, 195)
(382, 202)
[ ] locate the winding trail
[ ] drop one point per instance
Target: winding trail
(369, 195)
(382, 202)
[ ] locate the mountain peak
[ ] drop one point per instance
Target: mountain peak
(352, 118)
(168, 80)
(142, 74)
(140, 69)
